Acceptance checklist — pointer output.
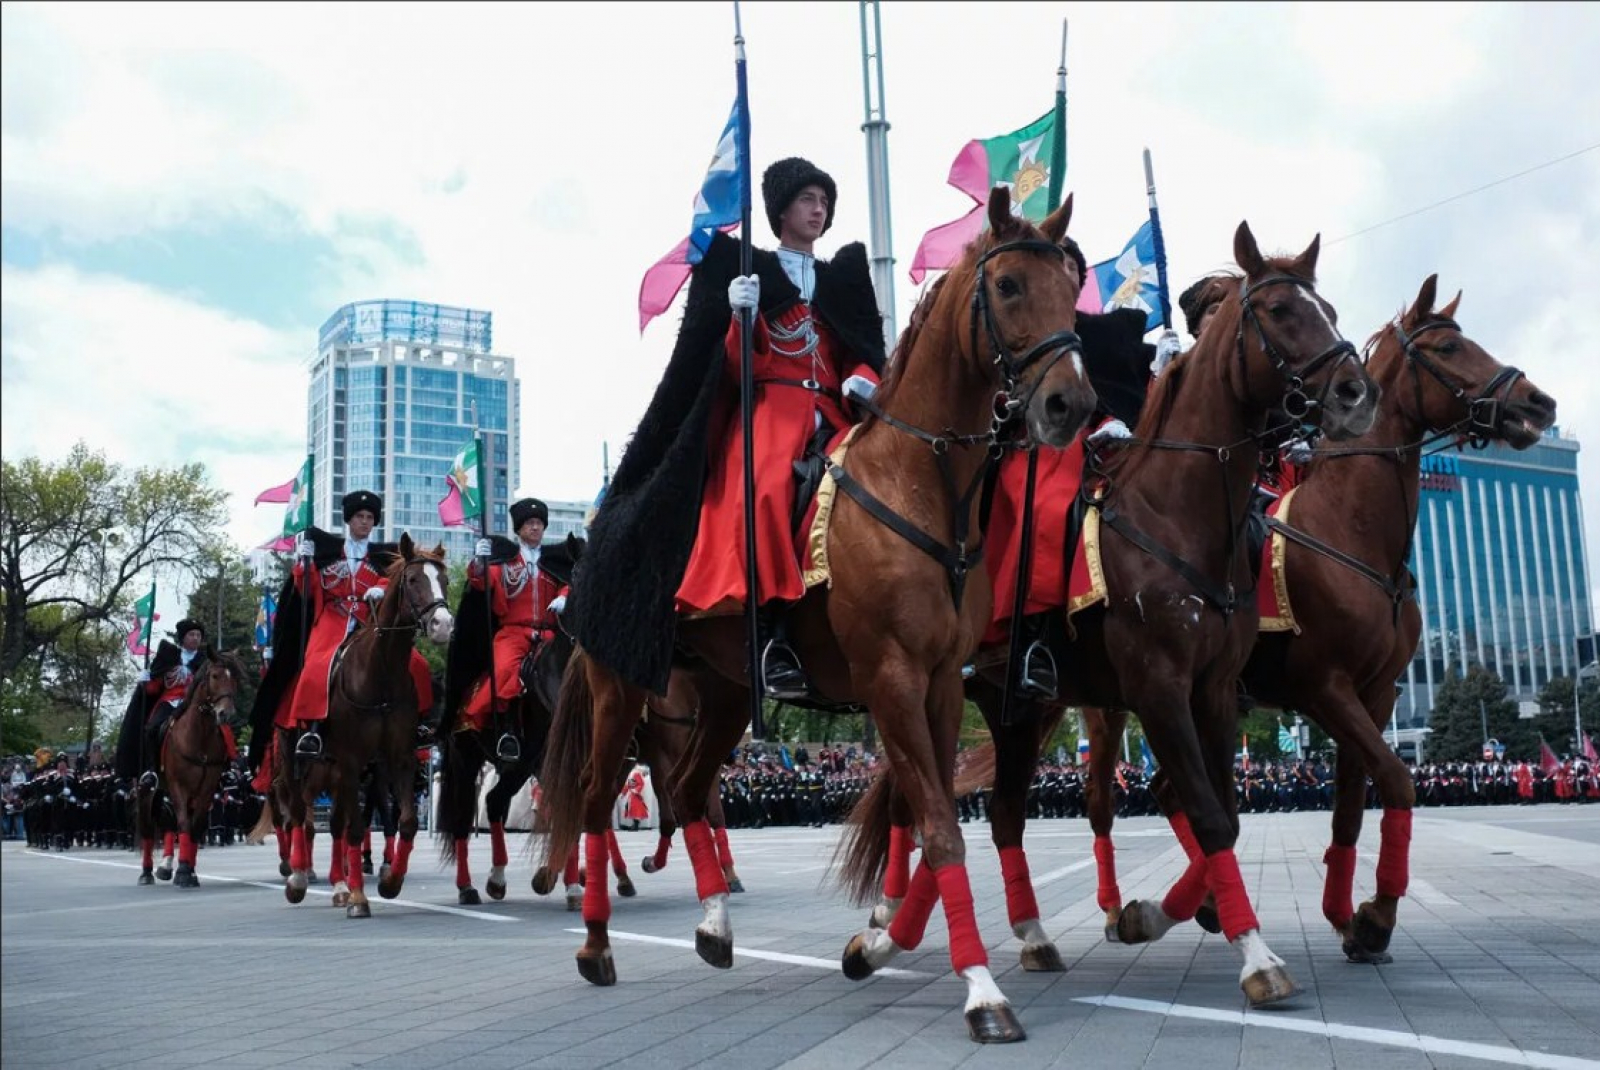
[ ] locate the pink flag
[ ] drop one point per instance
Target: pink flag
(1588, 748)
(279, 494)
(1547, 759)
(281, 545)
(1089, 299)
(138, 644)
(451, 512)
(942, 245)
(663, 281)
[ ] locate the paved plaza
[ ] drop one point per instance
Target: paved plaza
(1496, 962)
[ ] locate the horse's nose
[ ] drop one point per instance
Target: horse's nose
(1350, 392)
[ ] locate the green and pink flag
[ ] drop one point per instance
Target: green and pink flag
(464, 501)
(144, 616)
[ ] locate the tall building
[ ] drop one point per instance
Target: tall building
(396, 390)
(1502, 577)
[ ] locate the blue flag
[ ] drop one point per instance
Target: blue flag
(1149, 766)
(1132, 279)
(266, 613)
(718, 203)
(1287, 744)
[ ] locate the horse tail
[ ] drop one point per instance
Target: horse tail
(567, 756)
(458, 794)
(263, 826)
(863, 852)
(975, 769)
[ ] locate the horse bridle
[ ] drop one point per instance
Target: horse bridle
(1485, 411)
(210, 709)
(958, 560)
(1296, 403)
(420, 616)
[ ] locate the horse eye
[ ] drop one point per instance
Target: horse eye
(1277, 310)
(1450, 347)
(1008, 286)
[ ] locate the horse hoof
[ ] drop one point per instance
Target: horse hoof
(649, 864)
(1354, 952)
(855, 964)
(1206, 918)
(186, 880)
(283, 869)
(295, 890)
(1369, 932)
(366, 866)
(341, 899)
(736, 885)
(714, 950)
(544, 881)
(147, 877)
(1113, 915)
(994, 1025)
(468, 897)
(163, 873)
(625, 887)
(496, 890)
(389, 884)
(598, 969)
(1042, 958)
(1130, 925)
(1269, 986)
(574, 903)
(312, 878)
(362, 909)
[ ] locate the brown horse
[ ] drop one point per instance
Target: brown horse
(193, 755)
(902, 612)
(1174, 633)
(372, 718)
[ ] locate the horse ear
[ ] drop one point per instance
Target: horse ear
(1425, 296)
(1245, 251)
(1305, 265)
(438, 551)
(1055, 225)
(999, 209)
(1449, 311)
(408, 549)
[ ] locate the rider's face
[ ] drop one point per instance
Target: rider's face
(361, 524)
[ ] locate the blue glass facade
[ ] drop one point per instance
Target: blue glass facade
(1502, 578)
(393, 397)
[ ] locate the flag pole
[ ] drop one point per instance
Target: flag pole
(1158, 242)
(488, 601)
(306, 562)
(1058, 150)
(876, 127)
(747, 387)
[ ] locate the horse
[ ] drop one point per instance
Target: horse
(1172, 633)
(372, 717)
(904, 608)
(193, 754)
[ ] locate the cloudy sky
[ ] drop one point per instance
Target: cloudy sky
(188, 192)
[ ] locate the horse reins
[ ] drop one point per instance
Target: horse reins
(958, 560)
(420, 619)
(207, 707)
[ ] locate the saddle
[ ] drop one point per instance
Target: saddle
(808, 473)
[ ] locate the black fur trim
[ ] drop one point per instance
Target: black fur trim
(1117, 360)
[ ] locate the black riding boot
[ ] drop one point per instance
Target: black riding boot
(782, 678)
(1038, 679)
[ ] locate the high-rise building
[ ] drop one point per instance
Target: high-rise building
(397, 389)
(1502, 577)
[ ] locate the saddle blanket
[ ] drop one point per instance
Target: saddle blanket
(1272, 585)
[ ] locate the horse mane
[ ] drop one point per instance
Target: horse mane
(907, 342)
(398, 565)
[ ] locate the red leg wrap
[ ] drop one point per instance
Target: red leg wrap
(167, 840)
(1107, 894)
(186, 849)
(724, 852)
(336, 861)
(1185, 897)
(1185, 834)
(1020, 903)
(366, 842)
(898, 875)
(663, 845)
(911, 921)
(463, 871)
(596, 897)
(352, 866)
(1394, 853)
(497, 841)
(283, 841)
(299, 849)
(1338, 905)
(955, 892)
(614, 849)
(402, 859)
(569, 873)
(147, 853)
(388, 850)
(229, 743)
(709, 879)
(1233, 902)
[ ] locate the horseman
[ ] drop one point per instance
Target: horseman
(345, 582)
(674, 513)
(526, 585)
(157, 696)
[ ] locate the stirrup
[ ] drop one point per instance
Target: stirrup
(148, 779)
(1038, 672)
(508, 748)
(309, 744)
(781, 675)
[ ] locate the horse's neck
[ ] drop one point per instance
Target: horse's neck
(1378, 493)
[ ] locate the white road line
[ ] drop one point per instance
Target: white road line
(1057, 874)
(769, 956)
(1392, 1038)
(434, 907)
(1416, 887)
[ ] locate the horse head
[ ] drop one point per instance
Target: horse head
(215, 689)
(1289, 346)
(421, 583)
(1455, 384)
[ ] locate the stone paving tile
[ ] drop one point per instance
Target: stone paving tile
(1499, 944)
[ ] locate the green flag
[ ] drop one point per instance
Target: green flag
(464, 500)
(297, 514)
(144, 615)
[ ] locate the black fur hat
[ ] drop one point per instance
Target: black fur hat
(1199, 297)
(528, 509)
(186, 626)
(358, 500)
(782, 182)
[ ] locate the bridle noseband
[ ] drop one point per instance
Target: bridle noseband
(1055, 346)
(419, 616)
(1296, 403)
(1485, 411)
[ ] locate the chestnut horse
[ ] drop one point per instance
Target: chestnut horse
(193, 755)
(372, 718)
(905, 606)
(1174, 632)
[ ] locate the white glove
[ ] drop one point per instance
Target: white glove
(144, 677)
(558, 603)
(1297, 451)
(744, 292)
(1112, 428)
(860, 386)
(375, 594)
(482, 548)
(303, 547)
(1167, 347)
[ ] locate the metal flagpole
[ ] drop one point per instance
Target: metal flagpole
(747, 388)
(1058, 151)
(1160, 244)
(876, 127)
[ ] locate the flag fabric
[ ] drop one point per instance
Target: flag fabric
(464, 501)
(266, 614)
(1021, 161)
(1131, 279)
(1588, 748)
(144, 615)
(277, 495)
(1244, 745)
(297, 511)
(1286, 741)
(280, 545)
(1547, 759)
(1148, 768)
(1083, 750)
(716, 207)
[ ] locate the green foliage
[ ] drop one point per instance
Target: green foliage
(22, 701)
(1464, 704)
(226, 580)
(1556, 709)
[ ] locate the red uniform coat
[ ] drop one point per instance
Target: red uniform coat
(1055, 485)
(785, 419)
(520, 599)
(635, 809)
(338, 597)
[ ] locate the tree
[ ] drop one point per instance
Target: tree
(22, 702)
(226, 584)
(1556, 708)
(82, 537)
(1463, 705)
(87, 676)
